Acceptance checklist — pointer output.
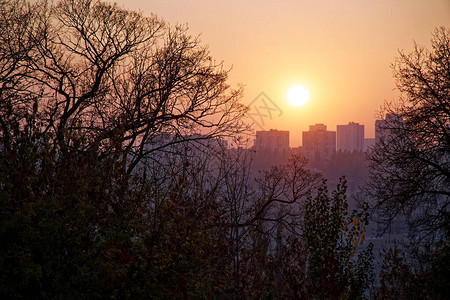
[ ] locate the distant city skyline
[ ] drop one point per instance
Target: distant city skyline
(352, 132)
(340, 50)
(347, 137)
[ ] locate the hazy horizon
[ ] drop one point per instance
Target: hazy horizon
(340, 51)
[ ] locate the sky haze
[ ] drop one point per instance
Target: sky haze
(341, 51)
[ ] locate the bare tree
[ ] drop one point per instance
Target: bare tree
(264, 214)
(21, 32)
(105, 77)
(410, 164)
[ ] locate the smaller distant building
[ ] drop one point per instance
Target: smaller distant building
(318, 143)
(207, 141)
(383, 127)
(272, 140)
(350, 137)
(368, 143)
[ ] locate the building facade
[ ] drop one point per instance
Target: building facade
(350, 137)
(384, 128)
(318, 142)
(272, 140)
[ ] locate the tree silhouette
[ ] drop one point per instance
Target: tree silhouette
(332, 237)
(95, 75)
(112, 184)
(410, 163)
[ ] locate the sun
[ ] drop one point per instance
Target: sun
(297, 95)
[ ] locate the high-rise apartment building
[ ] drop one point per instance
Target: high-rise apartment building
(272, 140)
(350, 137)
(318, 143)
(383, 127)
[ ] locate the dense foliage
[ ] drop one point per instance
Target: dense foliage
(105, 190)
(108, 191)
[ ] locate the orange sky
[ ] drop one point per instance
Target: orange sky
(340, 50)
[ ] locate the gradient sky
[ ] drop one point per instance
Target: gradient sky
(340, 50)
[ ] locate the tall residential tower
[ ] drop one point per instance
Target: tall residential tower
(273, 140)
(318, 143)
(350, 137)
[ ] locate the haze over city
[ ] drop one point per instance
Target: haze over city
(224, 150)
(341, 51)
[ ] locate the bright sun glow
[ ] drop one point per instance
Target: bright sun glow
(297, 95)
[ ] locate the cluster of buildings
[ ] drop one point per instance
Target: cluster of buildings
(317, 143)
